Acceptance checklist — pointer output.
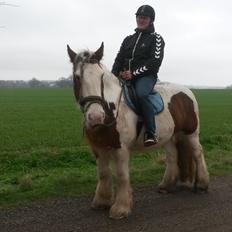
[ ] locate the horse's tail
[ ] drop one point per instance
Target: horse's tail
(186, 162)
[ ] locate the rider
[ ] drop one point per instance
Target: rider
(138, 60)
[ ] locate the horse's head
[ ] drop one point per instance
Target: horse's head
(88, 85)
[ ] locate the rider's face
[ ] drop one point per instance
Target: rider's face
(143, 22)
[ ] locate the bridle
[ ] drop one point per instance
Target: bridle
(108, 107)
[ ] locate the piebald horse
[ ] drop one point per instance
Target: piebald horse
(110, 128)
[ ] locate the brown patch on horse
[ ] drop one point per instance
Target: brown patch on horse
(104, 136)
(182, 110)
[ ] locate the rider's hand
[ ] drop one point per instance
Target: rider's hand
(125, 75)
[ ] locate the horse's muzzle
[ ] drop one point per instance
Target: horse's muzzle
(95, 119)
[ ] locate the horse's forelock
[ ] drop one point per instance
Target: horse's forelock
(85, 57)
(82, 57)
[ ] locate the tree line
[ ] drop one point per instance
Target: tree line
(35, 83)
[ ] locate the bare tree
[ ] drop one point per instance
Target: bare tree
(8, 4)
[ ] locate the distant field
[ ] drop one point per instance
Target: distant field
(43, 153)
(38, 119)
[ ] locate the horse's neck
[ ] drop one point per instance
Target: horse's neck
(112, 88)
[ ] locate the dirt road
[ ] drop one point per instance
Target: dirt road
(153, 212)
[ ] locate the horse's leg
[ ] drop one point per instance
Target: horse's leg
(104, 192)
(123, 198)
(202, 175)
(172, 170)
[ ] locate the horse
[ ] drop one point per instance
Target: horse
(110, 128)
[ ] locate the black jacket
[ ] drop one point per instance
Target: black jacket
(142, 53)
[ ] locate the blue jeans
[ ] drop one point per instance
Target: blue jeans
(143, 87)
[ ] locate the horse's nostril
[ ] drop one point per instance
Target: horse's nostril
(89, 117)
(96, 118)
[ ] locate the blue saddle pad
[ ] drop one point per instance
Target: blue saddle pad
(154, 97)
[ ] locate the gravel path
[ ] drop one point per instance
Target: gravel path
(153, 212)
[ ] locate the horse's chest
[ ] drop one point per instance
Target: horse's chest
(104, 137)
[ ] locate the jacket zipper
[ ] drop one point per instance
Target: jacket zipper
(133, 51)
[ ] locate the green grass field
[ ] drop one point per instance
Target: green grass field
(43, 153)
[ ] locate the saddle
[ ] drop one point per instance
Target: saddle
(132, 101)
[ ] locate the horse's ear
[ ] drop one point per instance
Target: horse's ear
(71, 54)
(99, 53)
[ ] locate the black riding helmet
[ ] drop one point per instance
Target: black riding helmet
(146, 10)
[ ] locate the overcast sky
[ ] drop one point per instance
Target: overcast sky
(198, 36)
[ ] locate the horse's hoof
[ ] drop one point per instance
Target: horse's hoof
(200, 190)
(119, 212)
(165, 189)
(100, 207)
(201, 187)
(101, 204)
